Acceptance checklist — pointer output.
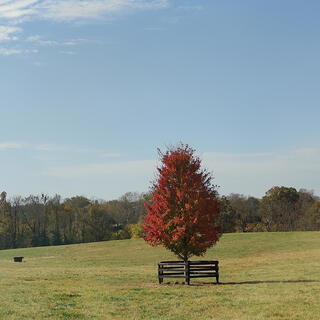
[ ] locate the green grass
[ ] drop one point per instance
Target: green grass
(263, 275)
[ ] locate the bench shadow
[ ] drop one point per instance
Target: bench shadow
(268, 281)
(197, 284)
(252, 282)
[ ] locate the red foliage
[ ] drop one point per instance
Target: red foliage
(185, 207)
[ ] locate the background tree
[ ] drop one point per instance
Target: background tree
(305, 203)
(228, 216)
(99, 222)
(5, 221)
(313, 217)
(184, 212)
(239, 204)
(55, 219)
(279, 209)
(77, 229)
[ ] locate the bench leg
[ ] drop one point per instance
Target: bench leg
(160, 273)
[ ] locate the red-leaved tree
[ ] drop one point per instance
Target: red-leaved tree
(184, 211)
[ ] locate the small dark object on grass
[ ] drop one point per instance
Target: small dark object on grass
(18, 259)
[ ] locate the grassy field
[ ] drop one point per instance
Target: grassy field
(263, 275)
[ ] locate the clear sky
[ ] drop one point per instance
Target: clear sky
(90, 89)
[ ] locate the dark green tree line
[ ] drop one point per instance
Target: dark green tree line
(40, 220)
(43, 220)
(281, 209)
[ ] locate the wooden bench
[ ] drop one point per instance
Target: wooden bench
(17, 259)
(188, 270)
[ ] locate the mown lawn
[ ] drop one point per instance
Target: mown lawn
(263, 275)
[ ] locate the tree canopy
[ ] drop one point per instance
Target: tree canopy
(184, 212)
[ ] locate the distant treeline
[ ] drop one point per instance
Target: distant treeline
(281, 209)
(43, 220)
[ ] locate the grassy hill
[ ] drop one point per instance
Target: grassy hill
(263, 275)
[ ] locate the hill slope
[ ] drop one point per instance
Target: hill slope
(264, 276)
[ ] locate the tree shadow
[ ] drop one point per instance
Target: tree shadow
(268, 282)
(198, 284)
(195, 284)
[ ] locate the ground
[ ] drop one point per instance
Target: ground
(263, 275)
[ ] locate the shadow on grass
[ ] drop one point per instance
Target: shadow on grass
(249, 282)
(268, 281)
(197, 284)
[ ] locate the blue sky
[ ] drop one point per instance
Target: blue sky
(90, 89)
